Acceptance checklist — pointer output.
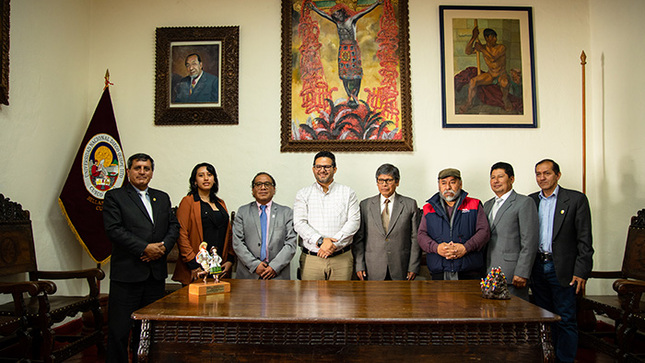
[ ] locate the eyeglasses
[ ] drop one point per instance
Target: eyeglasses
(326, 167)
(265, 184)
(385, 181)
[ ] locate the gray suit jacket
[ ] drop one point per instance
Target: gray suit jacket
(247, 240)
(514, 236)
(375, 251)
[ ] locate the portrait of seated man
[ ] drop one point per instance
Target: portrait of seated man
(198, 86)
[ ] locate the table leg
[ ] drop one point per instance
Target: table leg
(547, 344)
(144, 342)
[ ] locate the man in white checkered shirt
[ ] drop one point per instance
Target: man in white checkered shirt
(326, 216)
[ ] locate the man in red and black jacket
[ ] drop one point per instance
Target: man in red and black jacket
(453, 231)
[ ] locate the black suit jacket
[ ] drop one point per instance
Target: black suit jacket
(572, 242)
(130, 230)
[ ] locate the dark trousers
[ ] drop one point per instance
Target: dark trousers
(561, 300)
(125, 298)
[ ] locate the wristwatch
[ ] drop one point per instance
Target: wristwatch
(319, 242)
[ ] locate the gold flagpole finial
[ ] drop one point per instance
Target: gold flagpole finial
(107, 79)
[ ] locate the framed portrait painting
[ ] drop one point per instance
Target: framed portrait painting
(488, 74)
(345, 76)
(197, 75)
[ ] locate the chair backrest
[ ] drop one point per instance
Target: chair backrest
(634, 259)
(17, 252)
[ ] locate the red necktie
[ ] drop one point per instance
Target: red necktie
(192, 86)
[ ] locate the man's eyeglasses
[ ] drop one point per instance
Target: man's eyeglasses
(326, 167)
(385, 181)
(265, 184)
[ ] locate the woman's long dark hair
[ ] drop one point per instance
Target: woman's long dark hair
(193, 181)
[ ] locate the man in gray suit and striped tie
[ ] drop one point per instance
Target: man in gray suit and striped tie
(514, 234)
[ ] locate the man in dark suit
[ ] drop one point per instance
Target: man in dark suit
(385, 246)
(565, 253)
(263, 236)
(198, 86)
(514, 231)
(142, 228)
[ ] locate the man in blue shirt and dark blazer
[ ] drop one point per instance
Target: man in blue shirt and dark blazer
(564, 258)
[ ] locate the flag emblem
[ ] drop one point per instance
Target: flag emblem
(103, 165)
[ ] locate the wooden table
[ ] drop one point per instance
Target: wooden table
(351, 321)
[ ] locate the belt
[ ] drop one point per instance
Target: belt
(544, 257)
(339, 252)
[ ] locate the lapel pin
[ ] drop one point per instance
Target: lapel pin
(155, 199)
(562, 211)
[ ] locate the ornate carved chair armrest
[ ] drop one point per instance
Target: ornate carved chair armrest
(30, 287)
(93, 275)
(629, 294)
(48, 287)
(17, 289)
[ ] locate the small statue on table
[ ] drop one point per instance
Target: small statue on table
(494, 285)
(211, 262)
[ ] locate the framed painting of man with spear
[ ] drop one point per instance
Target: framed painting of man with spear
(345, 75)
(487, 66)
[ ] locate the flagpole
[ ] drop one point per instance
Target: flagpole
(583, 62)
(107, 84)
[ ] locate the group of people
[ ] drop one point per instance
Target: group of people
(542, 240)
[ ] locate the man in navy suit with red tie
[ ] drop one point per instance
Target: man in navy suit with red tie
(198, 86)
(143, 229)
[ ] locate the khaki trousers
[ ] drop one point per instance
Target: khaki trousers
(338, 267)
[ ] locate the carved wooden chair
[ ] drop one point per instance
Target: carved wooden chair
(15, 341)
(625, 307)
(18, 257)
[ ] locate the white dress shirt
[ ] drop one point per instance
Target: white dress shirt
(334, 214)
(390, 204)
(499, 201)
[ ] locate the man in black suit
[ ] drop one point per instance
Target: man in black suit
(564, 259)
(142, 228)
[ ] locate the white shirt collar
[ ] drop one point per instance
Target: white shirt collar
(391, 198)
(505, 196)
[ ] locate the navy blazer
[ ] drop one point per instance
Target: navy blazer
(572, 241)
(206, 90)
(129, 228)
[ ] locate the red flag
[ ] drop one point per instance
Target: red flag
(98, 167)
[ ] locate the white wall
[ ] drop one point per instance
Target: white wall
(41, 132)
(41, 129)
(616, 133)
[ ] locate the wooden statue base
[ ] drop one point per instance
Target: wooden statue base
(200, 288)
